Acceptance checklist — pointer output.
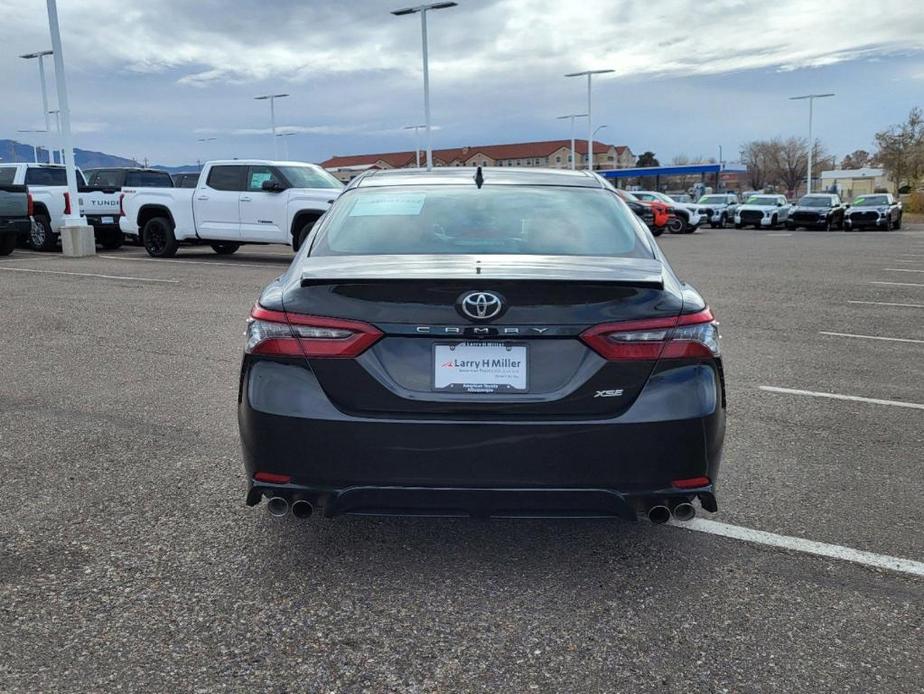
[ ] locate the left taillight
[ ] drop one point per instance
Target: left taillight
(282, 334)
(67, 203)
(695, 335)
(30, 205)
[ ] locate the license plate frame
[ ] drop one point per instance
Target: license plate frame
(494, 378)
(107, 220)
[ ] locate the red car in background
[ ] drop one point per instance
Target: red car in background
(655, 214)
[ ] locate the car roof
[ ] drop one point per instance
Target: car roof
(494, 175)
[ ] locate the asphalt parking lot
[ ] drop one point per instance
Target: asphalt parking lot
(128, 560)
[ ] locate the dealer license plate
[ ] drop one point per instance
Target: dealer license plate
(480, 367)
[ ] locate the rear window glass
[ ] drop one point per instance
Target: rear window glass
(7, 174)
(186, 180)
(148, 179)
(226, 177)
(106, 178)
(42, 176)
(541, 220)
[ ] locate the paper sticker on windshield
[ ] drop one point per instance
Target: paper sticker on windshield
(378, 205)
(257, 178)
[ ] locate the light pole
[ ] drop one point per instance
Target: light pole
(571, 117)
(423, 9)
(57, 115)
(590, 125)
(272, 99)
(811, 145)
(415, 128)
(34, 147)
(40, 56)
(81, 241)
(285, 144)
(203, 140)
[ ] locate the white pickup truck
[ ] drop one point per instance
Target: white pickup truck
(101, 198)
(47, 184)
(236, 202)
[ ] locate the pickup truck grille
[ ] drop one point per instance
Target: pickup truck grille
(807, 218)
(751, 216)
(864, 217)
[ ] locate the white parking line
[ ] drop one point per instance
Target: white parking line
(900, 269)
(797, 544)
(779, 234)
(900, 284)
(195, 262)
(838, 396)
(886, 303)
(88, 274)
(872, 337)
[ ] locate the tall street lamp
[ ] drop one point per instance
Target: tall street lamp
(272, 99)
(415, 128)
(204, 140)
(40, 56)
(590, 125)
(572, 116)
(285, 144)
(423, 9)
(76, 237)
(811, 99)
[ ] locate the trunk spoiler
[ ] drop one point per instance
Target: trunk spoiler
(636, 272)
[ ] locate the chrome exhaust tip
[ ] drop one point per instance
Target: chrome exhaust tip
(659, 514)
(277, 506)
(302, 508)
(684, 511)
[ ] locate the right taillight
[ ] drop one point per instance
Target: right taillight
(67, 203)
(30, 205)
(121, 206)
(687, 336)
(282, 334)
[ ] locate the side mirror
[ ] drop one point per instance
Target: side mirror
(847, 206)
(272, 186)
(779, 204)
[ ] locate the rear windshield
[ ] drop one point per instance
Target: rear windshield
(148, 179)
(542, 220)
(7, 174)
(186, 180)
(48, 176)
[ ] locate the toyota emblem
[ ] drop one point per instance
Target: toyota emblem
(481, 305)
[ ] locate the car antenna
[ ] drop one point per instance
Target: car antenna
(479, 178)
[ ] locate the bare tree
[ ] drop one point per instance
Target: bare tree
(901, 150)
(858, 159)
(757, 156)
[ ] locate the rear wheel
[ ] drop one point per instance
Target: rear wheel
(7, 243)
(110, 240)
(225, 247)
(303, 233)
(41, 235)
(158, 238)
(676, 225)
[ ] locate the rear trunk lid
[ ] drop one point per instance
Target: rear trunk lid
(428, 362)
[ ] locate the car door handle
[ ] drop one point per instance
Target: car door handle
(244, 198)
(203, 197)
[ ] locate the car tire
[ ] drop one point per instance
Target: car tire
(828, 226)
(159, 240)
(898, 222)
(7, 243)
(303, 234)
(225, 247)
(41, 237)
(738, 226)
(657, 231)
(723, 220)
(676, 225)
(888, 224)
(110, 240)
(773, 222)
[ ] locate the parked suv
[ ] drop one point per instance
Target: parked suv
(817, 212)
(718, 208)
(762, 212)
(880, 211)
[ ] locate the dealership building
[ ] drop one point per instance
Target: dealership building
(554, 154)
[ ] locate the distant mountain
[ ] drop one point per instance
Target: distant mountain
(12, 151)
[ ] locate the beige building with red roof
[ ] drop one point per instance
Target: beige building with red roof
(553, 154)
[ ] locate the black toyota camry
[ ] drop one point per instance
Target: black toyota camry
(466, 343)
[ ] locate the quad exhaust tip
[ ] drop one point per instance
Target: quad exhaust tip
(659, 514)
(684, 511)
(277, 506)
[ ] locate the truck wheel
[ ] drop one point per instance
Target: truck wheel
(7, 243)
(41, 235)
(158, 238)
(898, 222)
(676, 225)
(110, 239)
(225, 247)
(657, 231)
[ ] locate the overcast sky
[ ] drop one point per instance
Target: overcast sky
(148, 78)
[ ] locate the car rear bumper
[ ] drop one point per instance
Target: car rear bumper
(614, 467)
(21, 226)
